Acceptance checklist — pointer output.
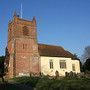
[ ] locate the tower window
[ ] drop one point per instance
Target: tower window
(25, 31)
(51, 64)
(24, 46)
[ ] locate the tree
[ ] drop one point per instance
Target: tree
(81, 66)
(86, 65)
(2, 58)
(86, 54)
(76, 56)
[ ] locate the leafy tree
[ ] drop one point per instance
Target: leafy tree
(86, 65)
(86, 54)
(2, 58)
(76, 56)
(81, 67)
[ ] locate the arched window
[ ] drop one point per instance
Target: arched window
(25, 31)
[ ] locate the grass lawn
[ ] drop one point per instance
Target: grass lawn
(44, 83)
(9, 86)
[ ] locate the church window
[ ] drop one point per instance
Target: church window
(24, 46)
(62, 64)
(73, 67)
(51, 64)
(25, 31)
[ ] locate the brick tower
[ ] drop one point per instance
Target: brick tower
(22, 48)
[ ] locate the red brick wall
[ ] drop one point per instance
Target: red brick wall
(23, 49)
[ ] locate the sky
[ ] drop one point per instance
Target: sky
(64, 23)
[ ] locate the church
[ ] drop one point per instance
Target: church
(25, 56)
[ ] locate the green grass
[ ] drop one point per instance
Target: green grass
(32, 81)
(64, 84)
(45, 83)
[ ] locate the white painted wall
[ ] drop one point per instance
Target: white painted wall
(45, 67)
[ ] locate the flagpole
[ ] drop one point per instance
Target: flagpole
(21, 10)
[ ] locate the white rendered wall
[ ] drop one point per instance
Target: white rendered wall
(45, 67)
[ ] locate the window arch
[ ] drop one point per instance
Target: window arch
(25, 31)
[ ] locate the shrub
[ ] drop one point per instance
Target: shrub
(64, 84)
(44, 83)
(47, 83)
(32, 81)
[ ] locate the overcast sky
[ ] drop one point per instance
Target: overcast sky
(64, 23)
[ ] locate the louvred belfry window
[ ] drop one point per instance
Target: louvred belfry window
(25, 31)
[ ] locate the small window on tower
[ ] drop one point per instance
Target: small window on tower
(24, 46)
(25, 31)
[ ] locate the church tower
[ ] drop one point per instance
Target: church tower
(23, 57)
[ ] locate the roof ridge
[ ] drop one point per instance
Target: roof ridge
(54, 51)
(51, 45)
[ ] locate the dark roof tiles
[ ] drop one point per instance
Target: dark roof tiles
(54, 51)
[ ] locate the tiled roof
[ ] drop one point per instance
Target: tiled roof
(54, 51)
